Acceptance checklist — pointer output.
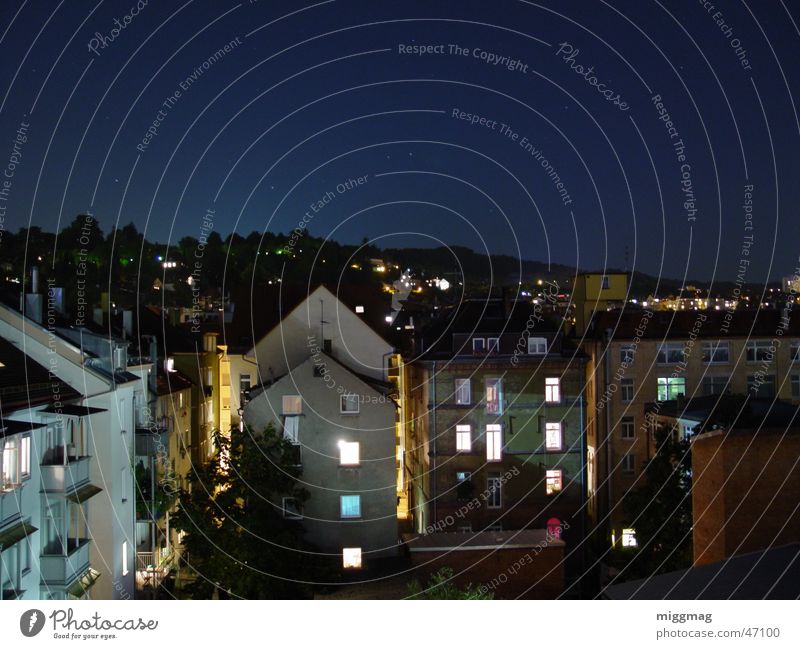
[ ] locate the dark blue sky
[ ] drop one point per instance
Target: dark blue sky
(306, 99)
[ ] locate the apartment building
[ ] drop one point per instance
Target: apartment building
(639, 359)
(495, 431)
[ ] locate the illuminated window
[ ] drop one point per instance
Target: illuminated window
(463, 476)
(478, 345)
(553, 481)
(350, 506)
(552, 390)
(629, 463)
(349, 453)
(494, 396)
(494, 490)
(626, 390)
(554, 438)
(244, 388)
(11, 475)
(351, 557)
(494, 442)
(537, 345)
(671, 387)
(292, 509)
(463, 437)
(124, 558)
(554, 528)
(292, 404)
(626, 426)
(463, 392)
(291, 428)
(25, 457)
(629, 538)
(349, 404)
(494, 345)
(359, 309)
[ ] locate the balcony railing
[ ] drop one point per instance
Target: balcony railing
(64, 477)
(63, 569)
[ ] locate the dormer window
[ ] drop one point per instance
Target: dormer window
(478, 345)
(537, 346)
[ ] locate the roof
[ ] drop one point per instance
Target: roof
(624, 323)
(259, 310)
(24, 383)
(72, 410)
(461, 541)
(768, 574)
(169, 382)
(12, 427)
(721, 410)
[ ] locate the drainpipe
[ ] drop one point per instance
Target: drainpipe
(607, 436)
(433, 447)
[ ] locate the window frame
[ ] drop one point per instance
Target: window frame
(493, 347)
(627, 352)
(710, 349)
(292, 515)
(482, 342)
(669, 380)
(494, 490)
(549, 427)
(605, 283)
(709, 381)
(626, 389)
(291, 433)
(494, 450)
(462, 385)
(794, 346)
(754, 346)
(794, 382)
(350, 565)
(342, 508)
(552, 391)
(665, 349)
(290, 411)
(343, 399)
(463, 431)
(628, 464)
(627, 425)
(343, 445)
(534, 343)
(497, 382)
(554, 481)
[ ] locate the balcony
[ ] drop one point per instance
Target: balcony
(9, 505)
(64, 477)
(59, 569)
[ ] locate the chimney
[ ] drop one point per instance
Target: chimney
(32, 304)
(35, 279)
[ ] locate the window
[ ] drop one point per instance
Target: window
(244, 388)
(716, 352)
(554, 528)
(292, 509)
(349, 404)
(629, 538)
(629, 463)
(537, 345)
(463, 476)
(351, 558)
(478, 345)
(210, 343)
(292, 404)
(209, 377)
(627, 428)
(123, 483)
(671, 387)
(552, 390)
(795, 386)
(463, 392)
(759, 350)
(465, 528)
(463, 437)
(604, 282)
(762, 385)
(349, 453)
(494, 396)
(554, 438)
(359, 309)
(494, 490)
(11, 474)
(494, 345)
(553, 481)
(291, 428)
(494, 442)
(794, 351)
(124, 558)
(497, 527)
(626, 390)
(715, 385)
(350, 506)
(669, 353)
(626, 353)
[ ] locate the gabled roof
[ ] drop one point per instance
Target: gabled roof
(259, 311)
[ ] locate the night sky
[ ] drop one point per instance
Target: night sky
(309, 95)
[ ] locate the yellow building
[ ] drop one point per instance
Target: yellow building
(597, 292)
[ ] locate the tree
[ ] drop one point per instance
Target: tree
(239, 544)
(662, 509)
(442, 586)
